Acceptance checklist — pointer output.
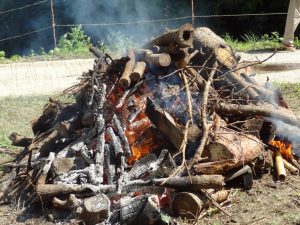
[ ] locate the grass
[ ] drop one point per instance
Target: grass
(252, 42)
(16, 114)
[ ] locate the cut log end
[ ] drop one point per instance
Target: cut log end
(186, 35)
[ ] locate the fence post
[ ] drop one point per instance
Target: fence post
(193, 12)
(53, 23)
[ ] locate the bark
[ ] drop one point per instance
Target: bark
(265, 110)
(227, 150)
(125, 80)
(192, 183)
(182, 37)
(212, 46)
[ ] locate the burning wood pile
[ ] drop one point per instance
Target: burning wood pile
(152, 136)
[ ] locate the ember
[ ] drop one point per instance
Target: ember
(157, 132)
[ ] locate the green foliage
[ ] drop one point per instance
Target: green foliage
(74, 41)
(15, 58)
(2, 55)
(117, 43)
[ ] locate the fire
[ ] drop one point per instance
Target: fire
(143, 147)
(284, 148)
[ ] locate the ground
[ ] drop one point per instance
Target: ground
(268, 202)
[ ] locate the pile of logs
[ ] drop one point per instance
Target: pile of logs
(158, 132)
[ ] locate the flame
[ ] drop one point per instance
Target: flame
(284, 148)
(143, 147)
(141, 139)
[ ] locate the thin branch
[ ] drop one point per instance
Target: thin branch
(205, 126)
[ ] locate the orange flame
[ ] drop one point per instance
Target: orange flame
(284, 148)
(144, 147)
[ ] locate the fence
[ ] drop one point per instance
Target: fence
(53, 25)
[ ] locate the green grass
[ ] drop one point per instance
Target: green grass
(16, 114)
(252, 42)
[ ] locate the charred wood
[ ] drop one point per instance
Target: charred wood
(19, 140)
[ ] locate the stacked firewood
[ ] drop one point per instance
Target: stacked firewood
(157, 132)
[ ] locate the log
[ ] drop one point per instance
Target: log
(46, 168)
(187, 205)
(192, 183)
(6, 181)
(227, 150)
(46, 121)
(19, 140)
(213, 47)
(266, 110)
(51, 190)
(95, 209)
(138, 71)
(183, 37)
(97, 53)
(290, 167)
(281, 172)
(165, 123)
(91, 210)
(158, 60)
(125, 81)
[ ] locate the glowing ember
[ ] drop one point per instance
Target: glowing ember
(285, 148)
(147, 144)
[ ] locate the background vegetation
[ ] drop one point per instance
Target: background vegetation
(105, 11)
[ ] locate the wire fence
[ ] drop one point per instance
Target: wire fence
(23, 7)
(125, 23)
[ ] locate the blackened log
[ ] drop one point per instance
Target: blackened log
(115, 141)
(97, 53)
(121, 134)
(99, 157)
(131, 208)
(110, 164)
(6, 181)
(47, 120)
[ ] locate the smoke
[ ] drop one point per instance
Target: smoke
(120, 11)
(288, 132)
